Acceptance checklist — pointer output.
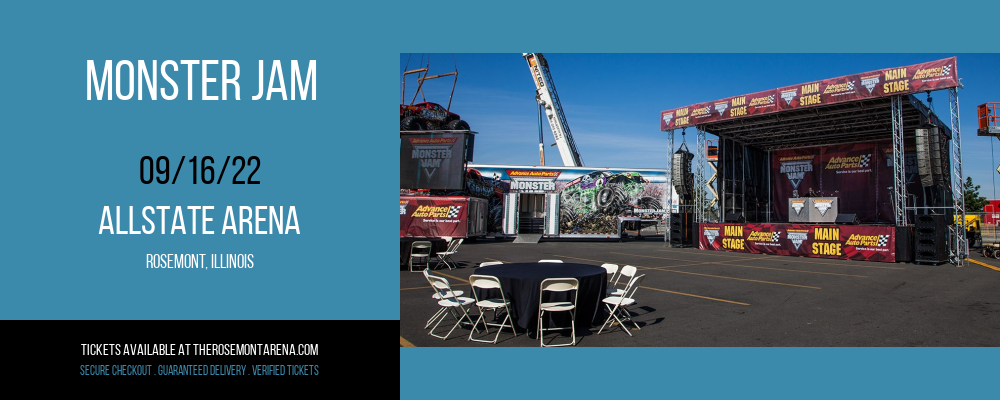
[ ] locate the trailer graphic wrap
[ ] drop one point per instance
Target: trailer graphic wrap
(590, 200)
(592, 203)
(485, 187)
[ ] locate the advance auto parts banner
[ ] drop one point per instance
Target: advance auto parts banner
(432, 161)
(933, 75)
(849, 173)
(852, 173)
(848, 242)
(433, 216)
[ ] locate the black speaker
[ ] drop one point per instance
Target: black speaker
(735, 218)
(931, 225)
(923, 150)
(937, 168)
(931, 239)
(904, 244)
(682, 228)
(928, 151)
(680, 173)
(847, 219)
(931, 251)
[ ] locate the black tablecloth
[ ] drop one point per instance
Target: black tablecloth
(521, 283)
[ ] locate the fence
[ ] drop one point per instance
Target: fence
(990, 234)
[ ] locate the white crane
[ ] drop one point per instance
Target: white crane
(547, 97)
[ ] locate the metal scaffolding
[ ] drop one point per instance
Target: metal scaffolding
(898, 162)
(870, 120)
(699, 180)
(714, 203)
(859, 122)
(960, 245)
(668, 204)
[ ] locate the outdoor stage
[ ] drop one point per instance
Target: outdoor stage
(865, 140)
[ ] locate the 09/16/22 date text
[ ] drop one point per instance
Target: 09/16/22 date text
(159, 170)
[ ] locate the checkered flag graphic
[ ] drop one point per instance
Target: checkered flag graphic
(453, 212)
(850, 85)
(775, 236)
(946, 70)
(770, 99)
(865, 160)
(883, 240)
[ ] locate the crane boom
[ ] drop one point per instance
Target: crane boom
(545, 94)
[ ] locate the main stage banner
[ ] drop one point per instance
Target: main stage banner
(933, 75)
(847, 242)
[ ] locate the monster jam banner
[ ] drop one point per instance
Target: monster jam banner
(849, 172)
(933, 75)
(848, 242)
(590, 199)
(432, 161)
(422, 216)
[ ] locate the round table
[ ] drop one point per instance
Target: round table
(521, 283)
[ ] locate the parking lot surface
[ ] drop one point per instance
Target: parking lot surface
(693, 297)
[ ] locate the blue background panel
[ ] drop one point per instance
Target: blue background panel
(63, 158)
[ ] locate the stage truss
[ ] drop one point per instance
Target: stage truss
(868, 120)
(670, 189)
(960, 245)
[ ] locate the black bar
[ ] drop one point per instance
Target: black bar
(55, 351)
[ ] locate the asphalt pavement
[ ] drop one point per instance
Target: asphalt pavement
(694, 297)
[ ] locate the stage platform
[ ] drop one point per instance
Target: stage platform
(847, 242)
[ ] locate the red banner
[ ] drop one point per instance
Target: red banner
(847, 242)
(794, 173)
(853, 173)
(933, 75)
(421, 216)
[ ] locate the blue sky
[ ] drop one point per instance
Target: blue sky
(612, 101)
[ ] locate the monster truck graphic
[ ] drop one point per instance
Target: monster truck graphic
(591, 203)
(491, 189)
(429, 116)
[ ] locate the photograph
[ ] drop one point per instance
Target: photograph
(777, 200)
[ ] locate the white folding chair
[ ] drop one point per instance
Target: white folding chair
(618, 305)
(437, 296)
(455, 305)
(557, 285)
(488, 263)
(496, 303)
(550, 261)
(445, 256)
(420, 250)
(612, 271)
(627, 272)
